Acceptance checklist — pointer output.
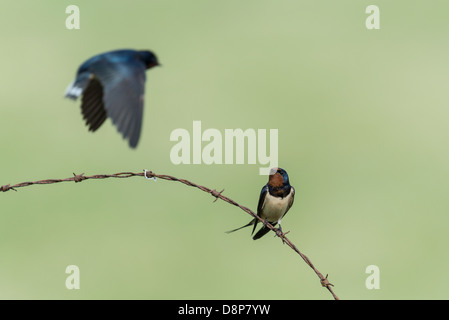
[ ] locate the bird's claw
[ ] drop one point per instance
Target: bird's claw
(281, 234)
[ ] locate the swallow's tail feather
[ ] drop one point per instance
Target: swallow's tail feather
(246, 225)
(263, 231)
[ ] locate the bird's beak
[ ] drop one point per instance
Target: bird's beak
(153, 65)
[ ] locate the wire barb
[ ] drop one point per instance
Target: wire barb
(325, 282)
(149, 176)
(218, 195)
(6, 187)
(78, 177)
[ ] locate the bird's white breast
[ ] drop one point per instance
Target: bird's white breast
(274, 208)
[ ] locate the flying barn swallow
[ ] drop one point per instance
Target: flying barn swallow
(276, 198)
(112, 85)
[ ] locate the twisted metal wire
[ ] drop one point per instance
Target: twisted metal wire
(217, 194)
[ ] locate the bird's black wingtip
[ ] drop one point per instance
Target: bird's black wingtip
(132, 144)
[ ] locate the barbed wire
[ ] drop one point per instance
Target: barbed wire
(217, 194)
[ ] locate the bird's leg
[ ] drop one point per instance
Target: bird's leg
(279, 232)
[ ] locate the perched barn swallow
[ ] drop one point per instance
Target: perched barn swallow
(112, 85)
(276, 198)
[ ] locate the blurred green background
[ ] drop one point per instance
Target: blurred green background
(363, 129)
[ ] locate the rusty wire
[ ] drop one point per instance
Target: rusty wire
(217, 194)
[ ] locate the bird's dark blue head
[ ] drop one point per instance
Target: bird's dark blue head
(148, 58)
(278, 183)
(278, 177)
